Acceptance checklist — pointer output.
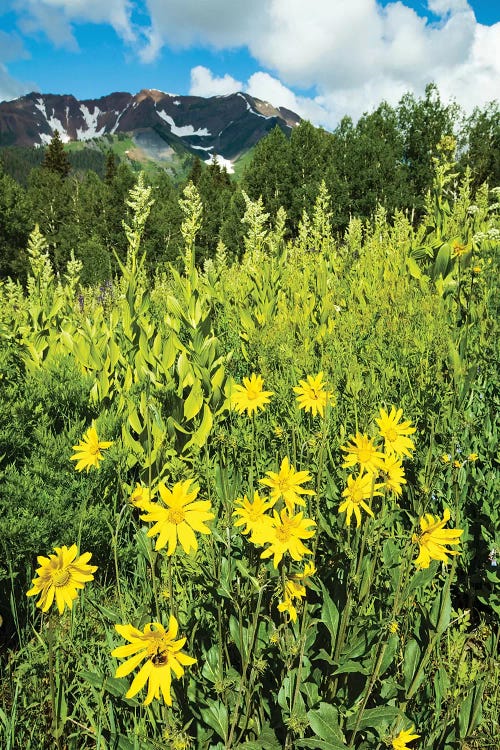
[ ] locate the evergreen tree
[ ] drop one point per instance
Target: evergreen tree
(15, 226)
(55, 158)
(482, 145)
(269, 173)
(110, 168)
(423, 123)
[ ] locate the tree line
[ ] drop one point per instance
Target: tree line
(385, 158)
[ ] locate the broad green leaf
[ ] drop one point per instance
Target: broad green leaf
(194, 401)
(215, 715)
(324, 722)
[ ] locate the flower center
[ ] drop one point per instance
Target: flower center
(356, 496)
(176, 516)
(391, 435)
(283, 533)
(252, 394)
(364, 455)
(60, 577)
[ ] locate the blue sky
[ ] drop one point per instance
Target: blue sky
(339, 58)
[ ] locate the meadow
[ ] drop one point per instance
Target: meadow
(254, 505)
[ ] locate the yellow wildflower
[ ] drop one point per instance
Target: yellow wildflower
(250, 396)
(434, 539)
(358, 490)
(60, 576)
(285, 535)
(401, 741)
(395, 433)
(162, 652)
(178, 517)
(287, 484)
(88, 451)
(361, 450)
(253, 513)
(312, 396)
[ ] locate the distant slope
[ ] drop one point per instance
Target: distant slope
(163, 128)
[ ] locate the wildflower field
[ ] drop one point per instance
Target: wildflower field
(255, 505)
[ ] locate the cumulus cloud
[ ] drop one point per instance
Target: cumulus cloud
(204, 83)
(11, 48)
(55, 18)
(352, 54)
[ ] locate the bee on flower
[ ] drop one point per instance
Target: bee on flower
(161, 653)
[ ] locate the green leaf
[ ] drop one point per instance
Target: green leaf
(215, 715)
(324, 722)
(411, 661)
(329, 614)
(194, 401)
(200, 436)
(377, 718)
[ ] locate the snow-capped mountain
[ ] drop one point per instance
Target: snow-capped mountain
(224, 125)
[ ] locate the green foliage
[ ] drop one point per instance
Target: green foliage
(377, 646)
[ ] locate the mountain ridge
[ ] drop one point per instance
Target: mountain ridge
(226, 126)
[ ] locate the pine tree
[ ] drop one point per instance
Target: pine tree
(56, 159)
(110, 169)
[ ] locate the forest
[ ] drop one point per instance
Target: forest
(78, 199)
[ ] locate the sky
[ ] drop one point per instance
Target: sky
(322, 59)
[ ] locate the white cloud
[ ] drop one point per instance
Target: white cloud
(204, 83)
(10, 88)
(11, 48)
(55, 17)
(353, 54)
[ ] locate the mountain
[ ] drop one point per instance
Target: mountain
(159, 123)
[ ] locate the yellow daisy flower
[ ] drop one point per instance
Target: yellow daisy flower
(60, 576)
(88, 451)
(472, 457)
(285, 536)
(312, 396)
(434, 539)
(287, 484)
(358, 490)
(250, 396)
(446, 458)
(395, 434)
(401, 741)
(393, 474)
(361, 450)
(162, 652)
(178, 517)
(252, 513)
(293, 591)
(140, 496)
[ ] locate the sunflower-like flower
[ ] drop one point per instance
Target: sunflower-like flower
(284, 535)
(361, 450)
(359, 489)
(404, 737)
(395, 433)
(434, 539)
(253, 514)
(294, 591)
(162, 652)
(312, 396)
(88, 451)
(178, 517)
(393, 474)
(287, 484)
(60, 576)
(141, 496)
(250, 396)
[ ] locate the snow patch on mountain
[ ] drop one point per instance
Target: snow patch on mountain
(53, 123)
(91, 131)
(183, 130)
(227, 163)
